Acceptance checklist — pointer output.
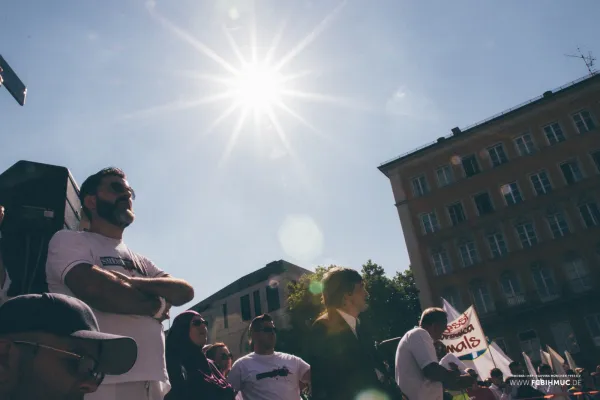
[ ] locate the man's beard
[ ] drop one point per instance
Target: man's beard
(111, 212)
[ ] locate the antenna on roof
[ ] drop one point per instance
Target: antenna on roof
(588, 60)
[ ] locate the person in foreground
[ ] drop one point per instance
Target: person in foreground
(418, 372)
(51, 349)
(192, 375)
(343, 358)
(267, 374)
(128, 293)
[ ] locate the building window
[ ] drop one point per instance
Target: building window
(541, 183)
(564, 337)
(225, 316)
(524, 144)
(526, 233)
(583, 121)
(452, 296)
(596, 158)
(482, 298)
(511, 289)
(497, 155)
(558, 224)
(245, 307)
(273, 298)
(468, 253)
(456, 213)
(419, 186)
(593, 324)
(530, 344)
(590, 214)
(577, 274)
(444, 175)
(440, 260)
(554, 133)
(544, 282)
(429, 222)
(571, 172)
(512, 194)
(483, 202)
(470, 165)
(257, 305)
(502, 344)
(497, 244)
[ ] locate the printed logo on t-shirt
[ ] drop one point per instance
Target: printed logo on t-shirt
(122, 262)
(276, 373)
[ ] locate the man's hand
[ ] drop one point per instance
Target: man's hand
(138, 283)
(175, 291)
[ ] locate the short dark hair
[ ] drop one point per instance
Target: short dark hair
(91, 184)
(211, 351)
(514, 364)
(432, 316)
(258, 321)
(496, 373)
(338, 282)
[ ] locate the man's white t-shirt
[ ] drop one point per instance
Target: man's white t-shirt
(275, 376)
(70, 248)
(415, 351)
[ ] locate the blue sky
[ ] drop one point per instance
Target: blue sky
(120, 83)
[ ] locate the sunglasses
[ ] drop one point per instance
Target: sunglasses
(119, 188)
(226, 356)
(85, 367)
(198, 322)
(267, 329)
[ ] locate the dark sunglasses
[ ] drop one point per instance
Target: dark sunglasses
(198, 322)
(120, 188)
(267, 329)
(85, 367)
(226, 356)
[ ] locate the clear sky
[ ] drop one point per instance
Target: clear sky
(329, 90)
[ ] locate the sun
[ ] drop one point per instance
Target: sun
(257, 87)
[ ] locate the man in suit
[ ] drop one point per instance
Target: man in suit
(343, 358)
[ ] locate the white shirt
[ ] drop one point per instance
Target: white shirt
(70, 248)
(350, 320)
(275, 376)
(415, 351)
(499, 393)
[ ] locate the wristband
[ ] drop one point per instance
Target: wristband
(161, 310)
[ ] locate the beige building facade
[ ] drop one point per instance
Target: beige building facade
(505, 215)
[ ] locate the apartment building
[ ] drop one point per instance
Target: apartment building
(505, 215)
(230, 310)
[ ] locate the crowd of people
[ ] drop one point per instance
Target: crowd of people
(98, 333)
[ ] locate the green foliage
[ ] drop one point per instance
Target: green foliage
(393, 305)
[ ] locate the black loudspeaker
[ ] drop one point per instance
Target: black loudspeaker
(39, 200)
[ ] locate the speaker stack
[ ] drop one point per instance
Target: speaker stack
(39, 200)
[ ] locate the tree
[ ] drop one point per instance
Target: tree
(393, 305)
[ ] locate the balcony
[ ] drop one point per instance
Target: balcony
(515, 300)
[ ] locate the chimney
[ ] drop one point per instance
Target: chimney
(456, 131)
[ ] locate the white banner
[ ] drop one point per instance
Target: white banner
(464, 335)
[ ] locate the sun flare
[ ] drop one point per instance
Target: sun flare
(257, 87)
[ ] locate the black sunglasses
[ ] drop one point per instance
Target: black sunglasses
(85, 367)
(267, 329)
(120, 188)
(198, 322)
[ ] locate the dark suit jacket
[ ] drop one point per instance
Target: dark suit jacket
(342, 366)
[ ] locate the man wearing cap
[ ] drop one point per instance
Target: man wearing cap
(51, 348)
(129, 294)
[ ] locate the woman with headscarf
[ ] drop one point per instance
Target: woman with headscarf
(192, 375)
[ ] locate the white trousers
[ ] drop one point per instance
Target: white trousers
(152, 390)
